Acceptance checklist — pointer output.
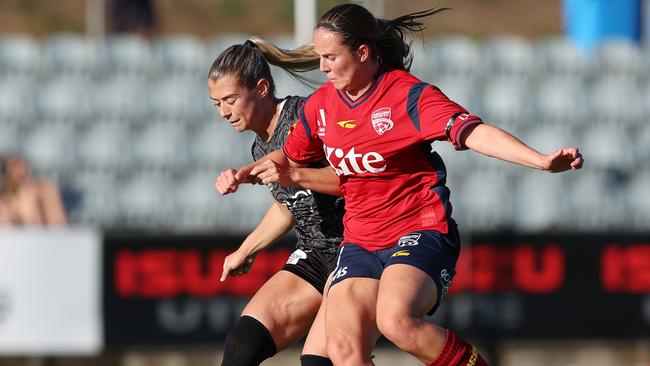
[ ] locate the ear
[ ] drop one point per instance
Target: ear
(363, 53)
(263, 87)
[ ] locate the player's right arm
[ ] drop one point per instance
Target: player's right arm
(276, 222)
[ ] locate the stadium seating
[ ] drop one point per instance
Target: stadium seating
(135, 114)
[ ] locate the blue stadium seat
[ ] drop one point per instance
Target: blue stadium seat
(49, 147)
(454, 56)
(558, 57)
(197, 201)
(616, 101)
(68, 54)
(182, 55)
(105, 146)
(620, 58)
(540, 202)
(130, 55)
(65, 100)
(121, 98)
(179, 99)
(161, 145)
(508, 56)
(506, 102)
(20, 55)
(17, 103)
(560, 100)
(145, 201)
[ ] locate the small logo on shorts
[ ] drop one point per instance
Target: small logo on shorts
(445, 280)
(296, 256)
(409, 240)
(401, 253)
(340, 273)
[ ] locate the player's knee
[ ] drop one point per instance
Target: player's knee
(340, 350)
(397, 329)
(314, 360)
(248, 344)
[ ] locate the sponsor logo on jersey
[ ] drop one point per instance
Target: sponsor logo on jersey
(296, 256)
(352, 162)
(409, 240)
(401, 253)
(381, 121)
(347, 123)
(340, 273)
(293, 126)
(322, 123)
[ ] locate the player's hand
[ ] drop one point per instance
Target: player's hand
(236, 264)
(227, 182)
(563, 160)
(244, 175)
(272, 172)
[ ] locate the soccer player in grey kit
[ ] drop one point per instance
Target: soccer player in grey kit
(282, 311)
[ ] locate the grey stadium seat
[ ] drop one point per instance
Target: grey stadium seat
(130, 55)
(69, 54)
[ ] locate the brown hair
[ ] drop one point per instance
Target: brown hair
(385, 37)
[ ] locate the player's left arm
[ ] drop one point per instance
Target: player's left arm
(495, 142)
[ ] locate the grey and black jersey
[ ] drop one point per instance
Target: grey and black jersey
(317, 217)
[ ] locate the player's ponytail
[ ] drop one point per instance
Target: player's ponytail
(387, 38)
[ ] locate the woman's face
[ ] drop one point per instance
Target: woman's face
(346, 70)
(237, 104)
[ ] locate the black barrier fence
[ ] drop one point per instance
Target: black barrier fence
(163, 290)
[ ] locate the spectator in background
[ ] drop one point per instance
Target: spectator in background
(25, 200)
(132, 16)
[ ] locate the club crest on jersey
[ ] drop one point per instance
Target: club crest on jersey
(381, 121)
(409, 240)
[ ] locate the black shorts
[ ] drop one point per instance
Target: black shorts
(430, 251)
(313, 266)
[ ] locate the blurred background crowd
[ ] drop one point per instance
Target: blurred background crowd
(105, 120)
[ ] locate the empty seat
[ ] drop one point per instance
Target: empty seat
(20, 55)
(594, 205)
(64, 100)
(130, 55)
(506, 102)
(197, 202)
(454, 56)
(606, 146)
(558, 57)
(50, 148)
(560, 101)
(178, 99)
(161, 145)
(105, 146)
(17, 101)
(121, 99)
(638, 202)
(10, 139)
(540, 202)
(508, 56)
(462, 90)
(482, 201)
(616, 101)
(183, 55)
(216, 145)
(240, 212)
(620, 58)
(70, 54)
(145, 202)
(98, 204)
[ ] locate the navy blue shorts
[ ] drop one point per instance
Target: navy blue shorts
(432, 252)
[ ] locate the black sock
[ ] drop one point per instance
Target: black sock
(248, 343)
(313, 360)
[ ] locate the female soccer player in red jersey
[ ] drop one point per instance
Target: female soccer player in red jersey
(374, 122)
(282, 311)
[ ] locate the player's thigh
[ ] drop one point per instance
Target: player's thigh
(405, 290)
(350, 318)
(286, 304)
(315, 343)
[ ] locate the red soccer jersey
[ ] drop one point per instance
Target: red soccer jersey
(379, 145)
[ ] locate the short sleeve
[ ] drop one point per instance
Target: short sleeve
(437, 117)
(303, 144)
